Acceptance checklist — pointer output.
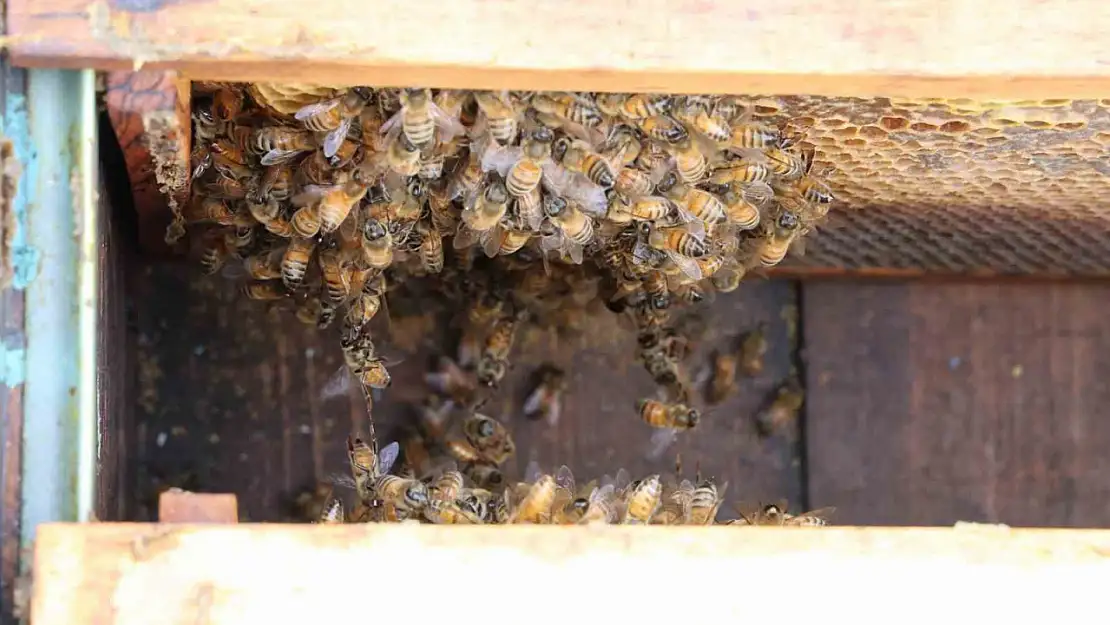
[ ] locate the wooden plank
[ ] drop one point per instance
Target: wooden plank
(179, 506)
(230, 397)
(942, 48)
(149, 111)
(931, 403)
(151, 574)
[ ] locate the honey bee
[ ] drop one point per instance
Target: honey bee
(449, 379)
(337, 279)
(368, 465)
(535, 504)
(264, 265)
(698, 118)
(782, 235)
(229, 160)
(295, 260)
(365, 305)
(723, 380)
(485, 475)
(208, 209)
(641, 106)
(315, 311)
(335, 116)
(775, 514)
(524, 176)
(489, 438)
(501, 117)
(783, 409)
(663, 128)
(408, 496)
(743, 171)
(493, 363)
(728, 278)
(740, 212)
(753, 346)
(703, 503)
(363, 362)
(226, 188)
(690, 162)
(270, 215)
(728, 108)
(280, 144)
(488, 209)
(571, 502)
(579, 157)
(420, 117)
(227, 103)
(633, 183)
(642, 501)
(700, 204)
(602, 506)
(787, 165)
(466, 177)
(814, 191)
(568, 107)
(622, 146)
(276, 184)
(401, 157)
(332, 512)
(431, 247)
(504, 241)
(431, 166)
(331, 204)
(660, 415)
(574, 228)
(263, 291)
(467, 510)
(447, 487)
(377, 244)
(546, 399)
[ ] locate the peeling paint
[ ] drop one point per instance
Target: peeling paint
(13, 365)
(24, 261)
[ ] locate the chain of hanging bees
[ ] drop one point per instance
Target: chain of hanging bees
(324, 200)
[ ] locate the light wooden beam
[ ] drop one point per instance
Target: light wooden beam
(921, 48)
(160, 574)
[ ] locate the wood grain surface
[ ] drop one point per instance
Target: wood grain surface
(933, 403)
(253, 574)
(229, 399)
(942, 48)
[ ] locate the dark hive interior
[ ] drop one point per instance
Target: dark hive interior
(231, 394)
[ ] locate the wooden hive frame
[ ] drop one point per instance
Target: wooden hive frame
(918, 49)
(157, 573)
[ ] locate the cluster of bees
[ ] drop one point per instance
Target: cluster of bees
(639, 201)
(446, 495)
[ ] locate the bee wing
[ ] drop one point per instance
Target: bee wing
(688, 266)
(565, 479)
(622, 480)
(310, 194)
(277, 157)
(575, 252)
(449, 127)
(500, 159)
(491, 240)
(721, 490)
(392, 125)
(532, 472)
(534, 403)
(316, 108)
(338, 385)
(660, 441)
(758, 193)
(465, 237)
(554, 409)
(335, 138)
(341, 479)
(551, 242)
(603, 493)
(387, 456)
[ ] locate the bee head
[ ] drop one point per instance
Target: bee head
(554, 206)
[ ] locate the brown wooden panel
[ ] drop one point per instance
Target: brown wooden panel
(229, 399)
(915, 48)
(932, 403)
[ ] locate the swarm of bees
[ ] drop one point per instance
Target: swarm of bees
(449, 495)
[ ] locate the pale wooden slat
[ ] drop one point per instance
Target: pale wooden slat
(179, 506)
(154, 574)
(969, 48)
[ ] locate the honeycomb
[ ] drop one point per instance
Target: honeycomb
(959, 186)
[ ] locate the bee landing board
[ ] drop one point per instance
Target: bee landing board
(280, 573)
